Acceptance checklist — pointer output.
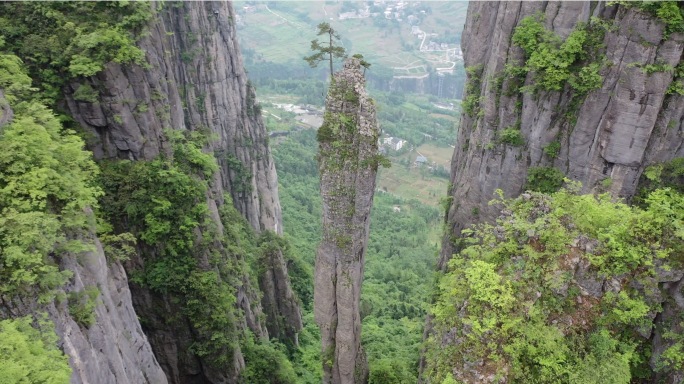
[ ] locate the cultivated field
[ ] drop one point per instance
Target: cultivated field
(409, 181)
(282, 32)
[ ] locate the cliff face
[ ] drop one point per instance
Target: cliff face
(541, 295)
(627, 124)
(348, 161)
(114, 349)
(619, 129)
(514, 129)
(104, 344)
(195, 81)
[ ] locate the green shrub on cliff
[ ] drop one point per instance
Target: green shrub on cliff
(472, 99)
(556, 62)
(671, 13)
(513, 305)
(63, 39)
(30, 355)
(544, 179)
(266, 363)
(669, 174)
(47, 181)
(163, 203)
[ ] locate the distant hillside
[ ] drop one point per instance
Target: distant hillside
(403, 40)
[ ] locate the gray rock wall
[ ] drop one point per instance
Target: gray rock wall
(114, 349)
(195, 80)
(280, 304)
(621, 128)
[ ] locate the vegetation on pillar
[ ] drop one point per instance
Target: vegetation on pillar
(339, 134)
(348, 161)
(326, 51)
(363, 62)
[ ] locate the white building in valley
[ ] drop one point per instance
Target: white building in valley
(394, 143)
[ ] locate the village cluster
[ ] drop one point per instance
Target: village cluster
(403, 11)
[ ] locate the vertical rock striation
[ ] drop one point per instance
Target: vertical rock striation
(279, 302)
(114, 349)
(615, 132)
(604, 138)
(195, 81)
(348, 161)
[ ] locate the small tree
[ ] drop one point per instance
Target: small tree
(363, 62)
(326, 51)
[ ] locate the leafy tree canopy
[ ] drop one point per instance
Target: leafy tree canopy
(64, 39)
(30, 355)
(46, 183)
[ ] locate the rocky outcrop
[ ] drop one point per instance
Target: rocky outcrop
(194, 81)
(605, 138)
(280, 304)
(618, 130)
(559, 285)
(348, 161)
(114, 348)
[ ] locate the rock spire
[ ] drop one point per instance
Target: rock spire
(348, 162)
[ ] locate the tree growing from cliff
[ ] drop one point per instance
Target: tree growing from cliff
(363, 62)
(326, 51)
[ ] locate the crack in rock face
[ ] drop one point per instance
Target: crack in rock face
(605, 139)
